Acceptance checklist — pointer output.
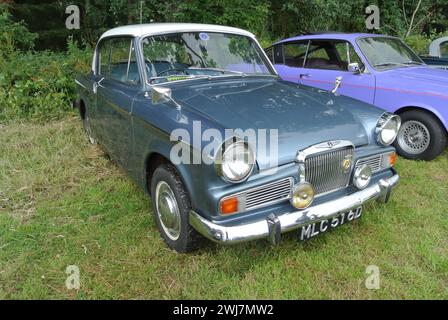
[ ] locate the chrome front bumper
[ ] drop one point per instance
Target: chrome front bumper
(272, 227)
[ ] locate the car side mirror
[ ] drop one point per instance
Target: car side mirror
(354, 68)
(161, 95)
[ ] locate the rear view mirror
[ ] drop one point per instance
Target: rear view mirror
(354, 68)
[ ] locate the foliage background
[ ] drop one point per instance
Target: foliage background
(39, 56)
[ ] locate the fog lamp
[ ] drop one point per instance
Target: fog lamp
(362, 176)
(302, 195)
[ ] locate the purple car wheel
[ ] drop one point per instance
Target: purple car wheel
(421, 136)
(414, 137)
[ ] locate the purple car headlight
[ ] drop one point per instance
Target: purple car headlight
(387, 128)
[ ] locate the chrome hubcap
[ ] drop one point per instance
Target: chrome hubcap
(167, 210)
(414, 137)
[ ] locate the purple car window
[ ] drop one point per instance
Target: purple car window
(295, 53)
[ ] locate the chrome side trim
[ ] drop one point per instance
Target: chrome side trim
(272, 226)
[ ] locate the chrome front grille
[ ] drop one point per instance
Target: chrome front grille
(326, 171)
(373, 162)
(268, 194)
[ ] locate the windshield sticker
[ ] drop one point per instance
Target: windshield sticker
(176, 78)
(204, 36)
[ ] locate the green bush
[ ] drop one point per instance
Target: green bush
(419, 43)
(40, 86)
(14, 33)
(37, 86)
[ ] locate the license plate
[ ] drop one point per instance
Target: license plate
(313, 229)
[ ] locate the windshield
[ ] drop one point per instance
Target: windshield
(197, 54)
(384, 53)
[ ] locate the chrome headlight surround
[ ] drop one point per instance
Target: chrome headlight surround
(234, 161)
(387, 128)
(362, 176)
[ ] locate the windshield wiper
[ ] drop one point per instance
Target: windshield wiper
(414, 62)
(385, 64)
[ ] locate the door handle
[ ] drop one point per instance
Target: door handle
(304, 75)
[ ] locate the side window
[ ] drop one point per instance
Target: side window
(278, 54)
(318, 55)
(118, 61)
(347, 54)
(294, 53)
(104, 59)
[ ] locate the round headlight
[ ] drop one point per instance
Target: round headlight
(387, 128)
(302, 195)
(362, 176)
(235, 162)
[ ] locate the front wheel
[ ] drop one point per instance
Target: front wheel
(171, 208)
(421, 136)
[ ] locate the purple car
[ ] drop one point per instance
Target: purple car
(379, 70)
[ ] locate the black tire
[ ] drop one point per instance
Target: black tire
(188, 239)
(437, 136)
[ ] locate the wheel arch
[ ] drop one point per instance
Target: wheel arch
(427, 110)
(153, 161)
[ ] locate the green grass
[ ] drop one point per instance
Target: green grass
(62, 202)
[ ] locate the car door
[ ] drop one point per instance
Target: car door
(119, 82)
(289, 59)
(327, 60)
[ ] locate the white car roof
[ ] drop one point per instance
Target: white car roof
(140, 30)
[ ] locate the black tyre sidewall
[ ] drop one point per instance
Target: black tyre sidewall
(437, 133)
(188, 239)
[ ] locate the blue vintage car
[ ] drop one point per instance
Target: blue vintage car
(197, 116)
